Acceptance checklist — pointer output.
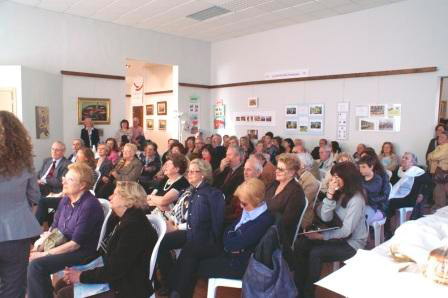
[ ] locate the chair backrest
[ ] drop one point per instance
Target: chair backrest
(159, 225)
(106, 206)
(299, 223)
(106, 218)
(317, 195)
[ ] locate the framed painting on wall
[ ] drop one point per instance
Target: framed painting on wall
(150, 124)
(42, 123)
(162, 124)
(96, 108)
(161, 108)
(149, 110)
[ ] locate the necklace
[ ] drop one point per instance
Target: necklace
(168, 185)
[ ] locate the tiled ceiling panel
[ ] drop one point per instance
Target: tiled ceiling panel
(170, 16)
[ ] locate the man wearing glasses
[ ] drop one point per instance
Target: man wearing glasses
(50, 179)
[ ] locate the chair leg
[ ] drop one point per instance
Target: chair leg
(211, 288)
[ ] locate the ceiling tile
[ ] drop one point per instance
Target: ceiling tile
(118, 8)
(310, 6)
(334, 3)
(87, 8)
(28, 2)
(57, 5)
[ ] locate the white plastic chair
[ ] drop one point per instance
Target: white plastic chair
(317, 195)
(159, 225)
(378, 231)
(214, 283)
(299, 223)
(403, 212)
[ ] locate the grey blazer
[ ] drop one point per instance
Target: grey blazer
(54, 183)
(16, 219)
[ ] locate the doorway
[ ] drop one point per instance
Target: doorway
(8, 100)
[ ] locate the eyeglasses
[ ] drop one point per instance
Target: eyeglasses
(69, 180)
(281, 170)
(193, 172)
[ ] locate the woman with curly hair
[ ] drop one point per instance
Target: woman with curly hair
(18, 188)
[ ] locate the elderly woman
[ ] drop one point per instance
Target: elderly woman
(241, 237)
(18, 189)
(172, 185)
(438, 166)
(126, 249)
(285, 196)
(195, 225)
(79, 217)
(129, 167)
(103, 167)
(388, 158)
(151, 165)
(309, 184)
(345, 199)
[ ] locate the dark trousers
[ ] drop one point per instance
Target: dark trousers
(393, 206)
(43, 206)
(309, 256)
(184, 275)
(165, 262)
(39, 271)
(13, 264)
(224, 266)
(63, 290)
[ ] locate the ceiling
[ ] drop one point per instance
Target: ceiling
(170, 16)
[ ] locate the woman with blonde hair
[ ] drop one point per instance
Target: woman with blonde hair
(129, 166)
(18, 188)
(78, 218)
(126, 249)
(195, 225)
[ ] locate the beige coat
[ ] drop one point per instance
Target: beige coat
(310, 187)
(438, 158)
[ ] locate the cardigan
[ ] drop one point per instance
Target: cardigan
(126, 263)
(290, 203)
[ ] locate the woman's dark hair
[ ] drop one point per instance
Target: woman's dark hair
(114, 146)
(209, 148)
(124, 140)
(188, 139)
(290, 144)
(335, 147)
(90, 156)
(367, 160)
(348, 172)
(154, 145)
(16, 149)
(378, 167)
(124, 121)
(440, 125)
(180, 146)
(179, 161)
(269, 134)
(392, 149)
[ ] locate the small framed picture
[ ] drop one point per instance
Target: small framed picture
(317, 110)
(162, 124)
(150, 124)
(252, 102)
(161, 108)
(253, 133)
(291, 111)
(149, 110)
(291, 124)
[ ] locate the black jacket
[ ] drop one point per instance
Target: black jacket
(229, 184)
(94, 137)
(126, 263)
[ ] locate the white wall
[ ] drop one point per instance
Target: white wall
(401, 35)
(42, 89)
(74, 87)
(11, 77)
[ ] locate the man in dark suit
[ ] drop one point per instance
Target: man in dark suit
(76, 145)
(50, 179)
(89, 134)
(219, 151)
(230, 173)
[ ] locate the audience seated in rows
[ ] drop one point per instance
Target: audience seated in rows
(388, 158)
(310, 186)
(315, 153)
(114, 151)
(151, 165)
(268, 173)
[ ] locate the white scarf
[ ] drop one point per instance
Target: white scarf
(403, 187)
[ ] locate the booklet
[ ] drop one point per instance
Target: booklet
(318, 230)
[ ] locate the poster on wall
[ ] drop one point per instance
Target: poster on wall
(291, 111)
(42, 123)
(219, 121)
(342, 120)
(311, 119)
(317, 110)
(380, 117)
(316, 125)
(137, 91)
(254, 118)
(193, 115)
